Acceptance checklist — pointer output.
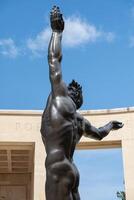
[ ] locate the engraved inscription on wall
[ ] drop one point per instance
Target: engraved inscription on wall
(27, 126)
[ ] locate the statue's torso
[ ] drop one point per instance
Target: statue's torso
(59, 125)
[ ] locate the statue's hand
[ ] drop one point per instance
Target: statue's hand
(116, 125)
(56, 20)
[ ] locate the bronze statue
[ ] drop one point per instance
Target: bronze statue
(62, 126)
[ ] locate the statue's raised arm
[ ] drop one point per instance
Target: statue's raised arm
(54, 52)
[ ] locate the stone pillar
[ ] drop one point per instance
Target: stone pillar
(128, 153)
(39, 172)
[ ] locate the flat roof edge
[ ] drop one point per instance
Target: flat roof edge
(108, 111)
(83, 112)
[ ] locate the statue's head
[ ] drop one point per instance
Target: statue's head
(75, 92)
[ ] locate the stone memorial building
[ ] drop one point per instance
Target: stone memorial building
(22, 155)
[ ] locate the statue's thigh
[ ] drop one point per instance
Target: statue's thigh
(77, 176)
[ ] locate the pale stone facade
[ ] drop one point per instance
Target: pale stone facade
(22, 153)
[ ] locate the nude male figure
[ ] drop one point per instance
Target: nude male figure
(62, 126)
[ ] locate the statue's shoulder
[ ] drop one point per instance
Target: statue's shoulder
(65, 104)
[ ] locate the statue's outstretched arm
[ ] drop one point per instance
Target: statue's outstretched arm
(86, 129)
(99, 133)
(54, 50)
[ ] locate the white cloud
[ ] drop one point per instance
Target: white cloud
(8, 48)
(77, 32)
(40, 43)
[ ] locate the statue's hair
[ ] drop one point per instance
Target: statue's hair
(75, 85)
(77, 94)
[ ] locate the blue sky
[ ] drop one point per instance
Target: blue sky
(98, 47)
(98, 50)
(101, 173)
